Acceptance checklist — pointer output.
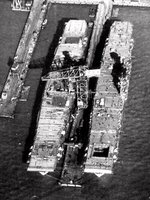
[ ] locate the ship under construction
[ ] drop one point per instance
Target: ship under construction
(78, 128)
(60, 138)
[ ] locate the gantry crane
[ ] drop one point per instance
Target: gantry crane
(77, 76)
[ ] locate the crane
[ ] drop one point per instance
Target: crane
(77, 76)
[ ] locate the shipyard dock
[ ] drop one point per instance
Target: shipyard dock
(16, 77)
(131, 175)
(52, 143)
(15, 80)
(111, 94)
(48, 152)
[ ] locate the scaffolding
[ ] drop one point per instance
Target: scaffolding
(75, 76)
(78, 76)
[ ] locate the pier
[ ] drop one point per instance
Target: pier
(132, 3)
(69, 147)
(15, 80)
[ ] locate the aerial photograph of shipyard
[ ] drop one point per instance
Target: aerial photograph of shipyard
(74, 99)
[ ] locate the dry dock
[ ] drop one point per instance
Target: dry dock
(109, 100)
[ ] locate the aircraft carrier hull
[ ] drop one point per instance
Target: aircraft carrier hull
(102, 14)
(52, 126)
(106, 121)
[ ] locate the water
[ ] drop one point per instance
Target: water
(131, 179)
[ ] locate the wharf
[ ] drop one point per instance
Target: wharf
(84, 2)
(136, 3)
(15, 80)
(109, 101)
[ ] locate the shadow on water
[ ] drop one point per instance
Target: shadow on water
(32, 130)
(37, 63)
(10, 61)
(99, 188)
(101, 44)
(54, 43)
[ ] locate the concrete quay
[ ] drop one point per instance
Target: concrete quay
(95, 2)
(136, 3)
(15, 80)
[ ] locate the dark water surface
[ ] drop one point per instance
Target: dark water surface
(131, 178)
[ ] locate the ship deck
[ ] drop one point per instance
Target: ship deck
(53, 118)
(109, 102)
(49, 128)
